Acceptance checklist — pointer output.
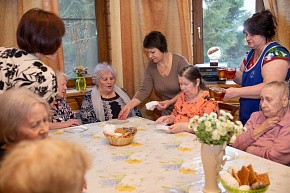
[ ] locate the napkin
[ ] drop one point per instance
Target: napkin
(151, 105)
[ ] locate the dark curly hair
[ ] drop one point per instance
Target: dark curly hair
(261, 23)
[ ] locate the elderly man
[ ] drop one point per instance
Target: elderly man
(268, 133)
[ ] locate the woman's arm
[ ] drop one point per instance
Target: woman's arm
(274, 70)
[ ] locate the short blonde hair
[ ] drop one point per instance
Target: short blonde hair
(15, 103)
(44, 166)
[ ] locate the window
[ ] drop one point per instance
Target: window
(219, 23)
(93, 15)
(80, 41)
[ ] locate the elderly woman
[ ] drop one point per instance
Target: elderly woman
(267, 61)
(105, 100)
(46, 166)
(39, 35)
(24, 116)
(193, 100)
(62, 114)
(268, 133)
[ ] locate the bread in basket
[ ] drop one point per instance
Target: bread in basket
(120, 136)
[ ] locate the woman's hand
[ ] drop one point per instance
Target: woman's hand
(178, 127)
(168, 119)
(267, 125)
(231, 93)
(162, 105)
(73, 122)
(124, 112)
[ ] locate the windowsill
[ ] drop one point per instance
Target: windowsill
(75, 92)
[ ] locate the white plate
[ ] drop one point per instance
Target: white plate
(77, 129)
(117, 121)
(162, 127)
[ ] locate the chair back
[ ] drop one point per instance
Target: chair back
(231, 108)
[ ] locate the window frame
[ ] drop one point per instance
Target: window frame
(197, 29)
(102, 30)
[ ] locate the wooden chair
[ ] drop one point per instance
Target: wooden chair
(233, 109)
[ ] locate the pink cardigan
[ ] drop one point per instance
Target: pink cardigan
(273, 145)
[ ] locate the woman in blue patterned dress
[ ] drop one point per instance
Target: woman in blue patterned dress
(105, 100)
(267, 61)
(39, 34)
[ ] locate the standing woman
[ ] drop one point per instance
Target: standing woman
(105, 100)
(39, 34)
(267, 61)
(161, 74)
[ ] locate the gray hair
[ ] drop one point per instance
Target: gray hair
(281, 86)
(15, 103)
(61, 74)
(99, 69)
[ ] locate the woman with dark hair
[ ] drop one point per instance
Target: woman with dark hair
(267, 61)
(39, 34)
(194, 100)
(160, 74)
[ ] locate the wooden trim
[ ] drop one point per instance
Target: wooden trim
(102, 28)
(197, 19)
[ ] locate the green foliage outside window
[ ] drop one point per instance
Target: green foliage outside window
(222, 22)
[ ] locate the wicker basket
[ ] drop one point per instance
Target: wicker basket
(119, 140)
(232, 190)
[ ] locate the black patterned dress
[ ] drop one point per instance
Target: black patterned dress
(20, 69)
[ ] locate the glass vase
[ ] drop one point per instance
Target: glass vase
(81, 84)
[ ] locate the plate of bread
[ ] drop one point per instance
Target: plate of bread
(245, 180)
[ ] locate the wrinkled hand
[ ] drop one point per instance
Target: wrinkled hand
(178, 127)
(124, 112)
(162, 105)
(269, 124)
(168, 119)
(73, 122)
(230, 93)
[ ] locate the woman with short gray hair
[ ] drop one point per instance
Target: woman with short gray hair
(105, 100)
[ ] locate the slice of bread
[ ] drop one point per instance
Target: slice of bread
(264, 178)
(235, 175)
(243, 175)
(252, 174)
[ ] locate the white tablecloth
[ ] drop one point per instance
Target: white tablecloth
(157, 161)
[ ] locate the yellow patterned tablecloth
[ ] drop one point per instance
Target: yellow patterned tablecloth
(157, 162)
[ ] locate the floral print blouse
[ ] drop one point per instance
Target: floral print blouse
(21, 69)
(184, 110)
(61, 111)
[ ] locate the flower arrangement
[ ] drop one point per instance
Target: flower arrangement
(214, 130)
(81, 70)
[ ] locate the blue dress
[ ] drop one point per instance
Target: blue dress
(252, 75)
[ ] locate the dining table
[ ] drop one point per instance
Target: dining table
(157, 161)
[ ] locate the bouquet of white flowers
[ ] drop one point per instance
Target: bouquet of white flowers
(211, 129)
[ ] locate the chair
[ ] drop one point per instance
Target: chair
(233, 109)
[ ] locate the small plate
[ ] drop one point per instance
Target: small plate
(117, 121)
(77, 129)
(162, 127)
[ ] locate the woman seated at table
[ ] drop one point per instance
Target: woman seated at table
(62, 116)
(49, 165)
(24, 116)
(193, 100)
(105, 100)
(268, 133)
